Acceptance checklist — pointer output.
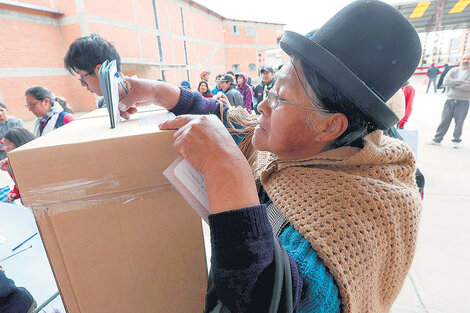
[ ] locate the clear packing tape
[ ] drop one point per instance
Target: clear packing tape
(127, 225)
(89, 193)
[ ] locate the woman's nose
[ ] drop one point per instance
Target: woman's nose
(263, 107)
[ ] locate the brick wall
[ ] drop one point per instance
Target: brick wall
(33, 43)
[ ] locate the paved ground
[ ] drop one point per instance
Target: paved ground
(439, 281)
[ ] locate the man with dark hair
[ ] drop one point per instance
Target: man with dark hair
(432, 74)
(218, 85)
(85, 56)
(261, 90)
(234, 96)
(447, 68)
(231, 74)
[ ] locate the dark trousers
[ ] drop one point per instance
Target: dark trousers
(453, 109)
(433, 81)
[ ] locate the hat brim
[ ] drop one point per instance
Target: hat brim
(340, 76)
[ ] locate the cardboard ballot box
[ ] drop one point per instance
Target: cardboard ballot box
(104, 111)
(119, 237)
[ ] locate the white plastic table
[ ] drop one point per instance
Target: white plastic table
(30, 268)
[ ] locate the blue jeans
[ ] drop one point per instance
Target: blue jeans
(433, 81)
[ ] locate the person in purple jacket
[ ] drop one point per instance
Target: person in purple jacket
(311, 172)
(245, 90)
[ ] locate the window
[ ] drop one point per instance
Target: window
(235, 30)
(250, 31)
(252, 67)
(236, 67)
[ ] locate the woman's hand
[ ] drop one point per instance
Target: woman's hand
(4, 164)
(140, 92)
(202, 140)
(11, 197)
(207, 145)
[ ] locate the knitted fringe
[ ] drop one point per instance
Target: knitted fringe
(240, 117)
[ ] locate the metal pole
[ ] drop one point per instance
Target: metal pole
(42, 306)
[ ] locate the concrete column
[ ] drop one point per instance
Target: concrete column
(80, 4)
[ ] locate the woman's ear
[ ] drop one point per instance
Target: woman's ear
(48, 102)
(332, 127)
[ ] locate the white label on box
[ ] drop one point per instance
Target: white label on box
(190, 184)
(193, 180)
(154, 118)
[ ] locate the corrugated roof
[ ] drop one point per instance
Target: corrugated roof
(428, 20)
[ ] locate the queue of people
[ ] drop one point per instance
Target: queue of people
(309, 177)
(236, 87)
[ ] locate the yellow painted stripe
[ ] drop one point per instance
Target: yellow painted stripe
(420, 8)
(459, 6)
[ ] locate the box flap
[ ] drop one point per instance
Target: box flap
(86, 159)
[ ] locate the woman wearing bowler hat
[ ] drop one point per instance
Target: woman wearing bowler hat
(313, 170)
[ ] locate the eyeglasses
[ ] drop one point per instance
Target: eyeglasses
(31, 105)
(274, 100)
(82, 77)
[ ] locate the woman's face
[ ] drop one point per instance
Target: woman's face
(240, 80)
(8, 145)
(283, 130)
(203, 88)
(3, 114)
(37, 107)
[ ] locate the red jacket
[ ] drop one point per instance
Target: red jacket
(15, 188)
(409, 92)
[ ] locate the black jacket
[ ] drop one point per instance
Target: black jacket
(433, 72)
(234, 96)
(443, 75)
(258, 93)
(14, 299)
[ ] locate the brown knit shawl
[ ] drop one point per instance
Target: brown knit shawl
(358, 208)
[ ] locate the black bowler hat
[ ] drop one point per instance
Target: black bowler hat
(367, 51)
